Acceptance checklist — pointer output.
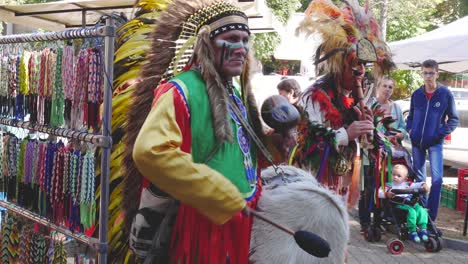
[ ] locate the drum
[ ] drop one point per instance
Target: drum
(295, 199)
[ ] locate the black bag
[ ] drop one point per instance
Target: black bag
(150, 232)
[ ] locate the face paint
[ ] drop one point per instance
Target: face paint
(229, 47)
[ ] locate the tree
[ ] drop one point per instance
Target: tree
(264, 44)
(383, 18)
(283, 9)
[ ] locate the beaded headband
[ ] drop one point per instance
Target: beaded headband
(219, 17)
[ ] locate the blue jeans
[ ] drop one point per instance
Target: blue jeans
(437, 169)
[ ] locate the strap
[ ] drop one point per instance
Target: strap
(213, 152)
(252, 134)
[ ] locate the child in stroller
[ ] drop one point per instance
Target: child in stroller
(417, 216)
(410, 217)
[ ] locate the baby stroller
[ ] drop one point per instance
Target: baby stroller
(397, 220)
(386, 217)
(374, 231)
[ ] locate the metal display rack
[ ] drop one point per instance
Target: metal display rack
(104, 140)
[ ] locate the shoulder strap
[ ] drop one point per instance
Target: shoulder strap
(252, 134)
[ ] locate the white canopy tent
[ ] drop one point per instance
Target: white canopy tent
(297, 47)
(448, 45)
(56, 16)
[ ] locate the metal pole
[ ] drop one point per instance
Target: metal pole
(83, 18)
(106, 132)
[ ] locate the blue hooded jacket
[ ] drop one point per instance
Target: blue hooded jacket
(429, 121)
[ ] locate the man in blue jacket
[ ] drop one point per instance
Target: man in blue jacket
(432, 116)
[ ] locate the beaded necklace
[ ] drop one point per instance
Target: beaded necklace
(58, 197)
(1, 156)
(80, 102)
(68, 61)
(49, 162)
(50, 80)
(34, 162)
(68, 76)
(75, 170)
(87, 197)
(244, 141)
(33, 69)
(23, 84)
(28, 157)
(3, 77)
(41, 175)
(56, 116)
(18, 108)
(66, 171)
(94, 87)
(60, 254)
(34, 75)
(74, 218)
(41, 87)
(24, 72)
(12, 154)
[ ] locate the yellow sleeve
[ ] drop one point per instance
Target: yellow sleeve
(158, 157)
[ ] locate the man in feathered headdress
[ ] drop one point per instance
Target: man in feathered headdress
(188, 142)
(332, 123)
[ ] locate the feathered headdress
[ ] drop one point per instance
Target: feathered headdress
(348, 32)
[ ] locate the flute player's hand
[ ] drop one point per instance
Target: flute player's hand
(359, 128)
(368, 115)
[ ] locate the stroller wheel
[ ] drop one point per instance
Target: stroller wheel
(368, 235)
(376, 234)
(395, 246)
(431, 245)
(440, 244)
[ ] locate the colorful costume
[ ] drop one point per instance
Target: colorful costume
(349, 34)
(187, 142)
(176, 141)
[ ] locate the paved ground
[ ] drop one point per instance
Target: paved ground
(363, 252)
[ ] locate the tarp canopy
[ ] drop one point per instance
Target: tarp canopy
(448, 45)
(293, 46)
(59, 15)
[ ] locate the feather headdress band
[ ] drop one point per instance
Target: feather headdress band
(218, 18)
(349, 32)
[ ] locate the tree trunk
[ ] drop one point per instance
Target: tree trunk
(383, 18)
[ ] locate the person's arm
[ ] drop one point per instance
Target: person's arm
(409, 119)
(385, 194)
(317, 116)
(452, 118)
(400, 121)
(158, 156)
(418, 185)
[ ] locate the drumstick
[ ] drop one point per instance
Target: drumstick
(309, 242)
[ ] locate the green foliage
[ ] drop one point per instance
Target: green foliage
(407, 81)
(264, 45)
(283, 9)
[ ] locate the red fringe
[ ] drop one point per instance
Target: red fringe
(347, 101)
(326, 106)
(377, 177)
(195, 239)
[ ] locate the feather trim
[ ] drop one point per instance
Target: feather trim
(341, 30)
